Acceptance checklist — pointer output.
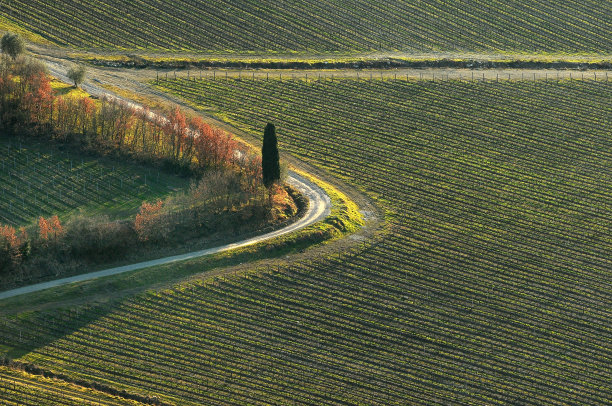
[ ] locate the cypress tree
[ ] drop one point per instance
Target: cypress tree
(269, 156)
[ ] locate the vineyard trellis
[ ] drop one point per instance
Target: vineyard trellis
(323, 26)
(494, 266)
(40, 181)
(20, 388)
(465, 75)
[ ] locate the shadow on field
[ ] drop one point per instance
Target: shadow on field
(22, 332)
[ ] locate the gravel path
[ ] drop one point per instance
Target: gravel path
(319, 207)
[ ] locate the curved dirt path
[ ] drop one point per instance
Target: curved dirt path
(319, 207)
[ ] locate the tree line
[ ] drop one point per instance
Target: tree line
(229, 191)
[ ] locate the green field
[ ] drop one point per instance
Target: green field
(39, 179)
(491, 285)
(225, 26)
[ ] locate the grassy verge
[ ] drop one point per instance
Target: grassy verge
(501, 61)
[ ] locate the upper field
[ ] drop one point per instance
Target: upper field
(226, 26)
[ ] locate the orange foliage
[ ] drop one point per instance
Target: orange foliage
(213, 146)
(13, 242)
(48, 228)
(39, 98)
(147, 220)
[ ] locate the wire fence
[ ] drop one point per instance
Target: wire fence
(409, 75)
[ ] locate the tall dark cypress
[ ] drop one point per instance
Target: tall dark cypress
(269, 156)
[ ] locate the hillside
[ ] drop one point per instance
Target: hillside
(490, 285)
(225, 26)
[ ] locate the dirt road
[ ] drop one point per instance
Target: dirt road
(319, 207)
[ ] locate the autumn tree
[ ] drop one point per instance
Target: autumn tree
(14, 248)
(77, 74)
(50, 229)
(39, 98)
(270, 163)
(12, 45)
(149, 224)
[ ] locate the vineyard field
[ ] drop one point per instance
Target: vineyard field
(41, 180)
(491, 283)
(22, 389)
(225, 26)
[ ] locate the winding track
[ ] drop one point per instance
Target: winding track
(319, 207)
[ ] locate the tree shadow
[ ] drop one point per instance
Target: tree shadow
(25, 328)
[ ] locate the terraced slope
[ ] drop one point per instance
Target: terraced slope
(322, 26)
(492, 284)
